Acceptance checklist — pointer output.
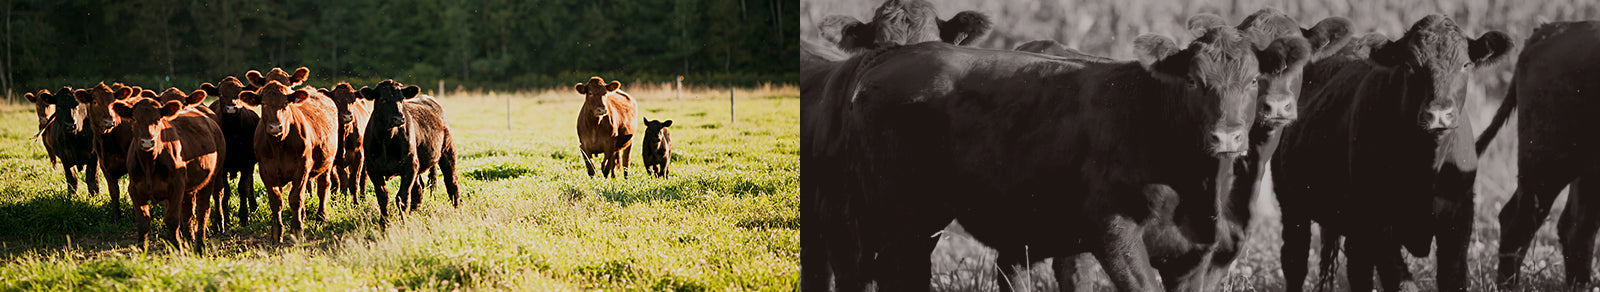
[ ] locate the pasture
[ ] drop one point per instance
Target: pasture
(531, 219)
(1107, 28)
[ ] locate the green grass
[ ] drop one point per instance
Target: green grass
(531, 219)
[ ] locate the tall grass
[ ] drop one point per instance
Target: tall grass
(531, 219)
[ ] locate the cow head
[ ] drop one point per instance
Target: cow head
(595, 92)
(148, 117)
(227, 93)
(1219, 75)
(1435, 58)
(344, 96)
(173, 94)
(41, 106)
(100, 98)
(386, 98)
(901, 22)
(277, 74)
(274, 100)
(65, 104)
(1279, 87)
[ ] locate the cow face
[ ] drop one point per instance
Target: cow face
(1279, 88)
(274, 100)
(65, 104)
(1219, 75)
(386, 98)
(595, 92)
(227, 93)
(100, 98)
(1435, 57)
(41, 106)
(344, 96)
(148, 116)
(277, 74)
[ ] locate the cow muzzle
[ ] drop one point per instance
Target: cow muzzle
(1438, 121)
(274, 129)
(1281, 113)
(600, 111)
(230, 109)
(108, 124)
(346, 118)
(147, 144)
(1226, 142)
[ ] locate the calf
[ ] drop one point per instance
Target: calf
(353, 114)
(175, 162)
(67, 138)
(43, 109)
(406, 136)
(238, 121)
(657, 147)
(1376, 155)
(1555, 93)
(605, 126)
(295, 143)
(111, 135)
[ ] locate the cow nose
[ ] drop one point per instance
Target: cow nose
(1281, 111)
(146, 144)
(1438, 120)
(231, 109)
(108, 123)
(1227, 141)
(599, 111)
(346, 118)
(274, 128)
(397, 120)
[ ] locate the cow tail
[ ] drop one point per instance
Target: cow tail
(1507, 104)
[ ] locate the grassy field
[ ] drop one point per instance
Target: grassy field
(1105, 27)
(531, 219)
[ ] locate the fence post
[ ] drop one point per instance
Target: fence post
(680, 87)
(441, 88)
(730, 105)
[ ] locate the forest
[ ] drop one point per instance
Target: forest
(473, 44)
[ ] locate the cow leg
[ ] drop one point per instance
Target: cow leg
(1330, 259)
(1392, 268)
(247, 195)
(111, 193)
(627, 153)
(141, 217)
(588, 162)
(91, 177)
(1577, 227)
(275, 201)
(408, 185)
(72, 179)
(608, 167)
(1539, 182)
(324, 182)
(381, 191)
(203, 211)
(216, 191)
(1359, 255)
(297, 205)
(447, 164)
(1296, 247)
(361, 180)
(1454, 211)
(416, 191)
(1123, 255)
(174, 222)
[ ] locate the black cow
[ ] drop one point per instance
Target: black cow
(70, 138)
(1376, 156)
(238, 121)
(903, 22)
(657, 147)
(907, 139)
(406, 135)
(1554, 92)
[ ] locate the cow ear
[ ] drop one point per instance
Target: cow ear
(123, 93)
(250, 98)
(171, 107)
(666, 123)
(210, 89)
(1488, 48)
(1284, 53)
(300, 75)
(1199, 23)
(197, 96)
(1160, 55)
(83, 96)
(411, 91)
(1328, 36)
(582, 89)
(1388, 53)
(299, 96)
(29, 96)
(964, 28)
(44, 97)
(122, 108)
(255, 78)
(613, 86)
(368, 93)
(834, 27)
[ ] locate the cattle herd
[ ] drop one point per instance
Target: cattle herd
(182, 154)
(1150, 165)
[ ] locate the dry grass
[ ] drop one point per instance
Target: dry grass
(1104, 27)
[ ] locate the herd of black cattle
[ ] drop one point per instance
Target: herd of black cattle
(1150, 165)
(180, 153)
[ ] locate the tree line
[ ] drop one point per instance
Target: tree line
(492, 44)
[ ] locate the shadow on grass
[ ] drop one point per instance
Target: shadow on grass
(498, 172)
(674, 189)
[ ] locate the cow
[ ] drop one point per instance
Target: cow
(407, 135)
(903, 22)
(657, 147)
(68, 138)
(238, 121)
(1384, 129)
(111, 135)
(908, 138)
(295, 143)
(1276, 109)
(43, 109)
(1554, 95)
(353, 115)
(605, 126)
(174, 161)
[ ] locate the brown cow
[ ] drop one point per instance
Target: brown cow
(657, 147)
(43, 109)
(173, 161)
(353, 115)
(67, 138)
(605, 125)
(112, 135)
(295, 143)
(238, 122)
(407, 134)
